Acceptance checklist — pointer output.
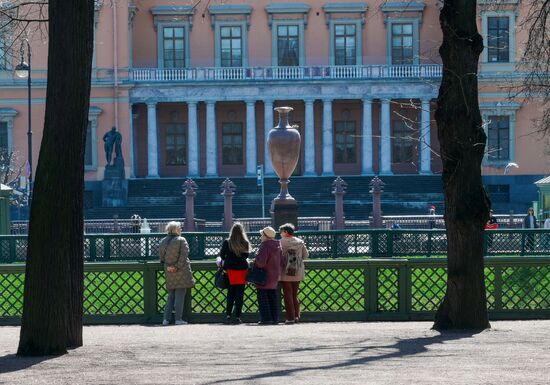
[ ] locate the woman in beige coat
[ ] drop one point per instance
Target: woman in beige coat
(174, 252)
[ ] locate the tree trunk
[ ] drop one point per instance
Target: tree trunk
(462, 142)
(52, 311)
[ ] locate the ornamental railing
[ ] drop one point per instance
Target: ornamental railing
(117, 225)
(376, 289)
(321, 244)
(283, 73)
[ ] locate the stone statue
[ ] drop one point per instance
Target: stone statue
(113, 140)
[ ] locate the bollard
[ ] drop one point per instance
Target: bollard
(228, 190)
(339, 189)
(189, 187)
(377, 188)
(144, 242)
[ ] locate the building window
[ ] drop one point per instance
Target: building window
(231, 46)
(232, 143)
(345, 44)
(175, 144)
(498, 138)
(4, 135)
(288, 40)
(173, 39)
(403, 143)
(402, 43)
(498, 39)
(88, 151)
(345, 150)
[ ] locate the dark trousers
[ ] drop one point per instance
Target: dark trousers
(235, 295)
(267, 302)
(292, 304)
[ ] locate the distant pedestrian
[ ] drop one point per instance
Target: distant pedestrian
(269, 258)
(135, 222)
(234, 253)
(530, 222)
(431, 221)
(294, 254)
(174, 253)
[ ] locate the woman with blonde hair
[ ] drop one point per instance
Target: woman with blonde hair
(234, 253)
(174, 253)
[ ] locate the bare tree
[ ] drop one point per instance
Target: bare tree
(462, 142)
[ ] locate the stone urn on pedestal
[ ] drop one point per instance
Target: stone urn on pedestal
(284, 149)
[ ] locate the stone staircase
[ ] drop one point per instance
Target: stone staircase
(162, 198)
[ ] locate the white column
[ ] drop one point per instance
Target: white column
(250, 138)
(366, 159)
(193, 140)
(268, 125)
(211, 140)
(425, 151)
(328, 150)
(152, 141)
(309, 139)
(385, 138)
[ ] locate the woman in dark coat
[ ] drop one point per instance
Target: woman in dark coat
(235, 251)
(269, 258)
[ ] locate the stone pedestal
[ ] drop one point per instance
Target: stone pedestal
(5, 224)
(114, 186)
(284, 211)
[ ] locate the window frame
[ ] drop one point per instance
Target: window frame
(353, 136)
(184, 134)
(275, 41)
(160, 42)
(242, 156)
(491, 119)
(218, 24)
(497, 51)
(415, 21)
(358, 39)
(486, 65)
(395, 139)
(500, 109)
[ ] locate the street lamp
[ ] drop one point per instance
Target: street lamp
(23, 70)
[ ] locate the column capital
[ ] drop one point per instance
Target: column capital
(210, 102)
(191, 102)
(309, 100)
(249, 102)
(426, 99)
(367, 100)
(151, 104)
(268, 101)
(327, 100)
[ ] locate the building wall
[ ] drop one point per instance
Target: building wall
(121, 101)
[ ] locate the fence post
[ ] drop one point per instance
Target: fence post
(149, 292)
(12, 257)
(373, 288)
(375, 244)
(429, 246)
(498, 288)
(106, 248)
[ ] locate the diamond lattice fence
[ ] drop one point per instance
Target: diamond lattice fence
(116, 292)
(11, 294)
(428, 287)
(526, 287)
(388, 289)
(333, 290)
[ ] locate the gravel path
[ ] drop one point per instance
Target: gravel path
(512, 352)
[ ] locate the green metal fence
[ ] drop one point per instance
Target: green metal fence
(322, 244)
(366, 289)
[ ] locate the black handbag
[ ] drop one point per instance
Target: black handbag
(221, 280)
(256, 275)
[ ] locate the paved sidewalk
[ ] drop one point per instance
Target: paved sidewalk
(316, 353)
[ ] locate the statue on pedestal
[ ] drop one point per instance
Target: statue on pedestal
(113, 141)
(115, 184)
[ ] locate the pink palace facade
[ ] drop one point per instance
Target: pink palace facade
(192, 88)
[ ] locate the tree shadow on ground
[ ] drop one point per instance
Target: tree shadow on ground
(13, 363)
(402, 348)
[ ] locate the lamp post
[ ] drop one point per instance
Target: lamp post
(23, 70)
